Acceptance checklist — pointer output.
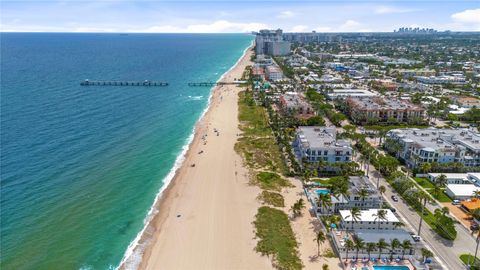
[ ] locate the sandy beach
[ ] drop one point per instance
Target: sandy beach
(205, 216)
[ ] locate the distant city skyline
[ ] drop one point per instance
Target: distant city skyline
(235, 16)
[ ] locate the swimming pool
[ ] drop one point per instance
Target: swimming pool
(390, 267)
(322, 191)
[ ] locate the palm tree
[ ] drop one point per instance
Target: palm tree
(406, 244)
(324, 200)
(380, 215)
(476, 194)
(423, 197)
(363, 194)
(348, 245)
(381, 245)
(425, 167)
(426, 254)
(320, 238)
(355, 214)
(440, 183)
(444, 211)
(394, 244)
(359, 244)
(370, 247)
(382, 190)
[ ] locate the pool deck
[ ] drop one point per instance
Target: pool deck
(360, 265)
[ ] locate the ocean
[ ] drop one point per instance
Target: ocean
(82, 165)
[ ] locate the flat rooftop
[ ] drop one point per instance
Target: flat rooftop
(379, 103)
(320, 137)
(463, 190)
(369, 215)
(432, 138)
(373, 236)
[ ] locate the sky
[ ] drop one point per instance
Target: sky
(224, 16)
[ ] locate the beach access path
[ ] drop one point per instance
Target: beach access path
(205, 216)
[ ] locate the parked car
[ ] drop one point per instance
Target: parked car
(394, 198)
(474, 227)
(416, 238)
(455, 202)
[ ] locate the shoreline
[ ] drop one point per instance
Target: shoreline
(139, 251)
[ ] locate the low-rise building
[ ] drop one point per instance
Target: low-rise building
(381, 110)
(345, 93)
(461, 191)
(258, 73)
(443, 79)
(369, 220)
(371, 236)
(295, 104)
(416, 146)
(457, 178)
(358, 186)
(274, 73)
(314, 144)
(466, 102)
(409, 73)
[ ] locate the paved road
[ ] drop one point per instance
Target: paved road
(447, 252)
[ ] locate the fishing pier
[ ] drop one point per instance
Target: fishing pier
(213, 83)
(123, 83)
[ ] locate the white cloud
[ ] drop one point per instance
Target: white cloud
(469, 16)
(323, 29)
(391, 10)
(221, 26)
(299, 28)
(349, 25)
(286, 14)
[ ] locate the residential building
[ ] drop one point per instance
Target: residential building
(416, 146)
(368, 220)
(270, 42)
(354, 198)
(409, 73)
(345, 93)
(314, 144)
(274, 73)
(443, 79)
(461, 192)
(295, 104)
(371, 236)
(466, 102)
(457, 178)
(381, 110)
(258, 73)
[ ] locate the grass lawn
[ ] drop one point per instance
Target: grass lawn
(424, 182)
(442, 197)
(272, 198)
(271, 181)
(276, 238)
(465, 257)
(329, 181)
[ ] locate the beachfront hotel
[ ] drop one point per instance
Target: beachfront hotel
(356, 185)
(417, 146)
(315, 144)
(371, 229)
(369, 220)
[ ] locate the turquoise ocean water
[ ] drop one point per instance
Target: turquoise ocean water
(81, 166)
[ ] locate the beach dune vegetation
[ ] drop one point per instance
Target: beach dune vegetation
(276, 238)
